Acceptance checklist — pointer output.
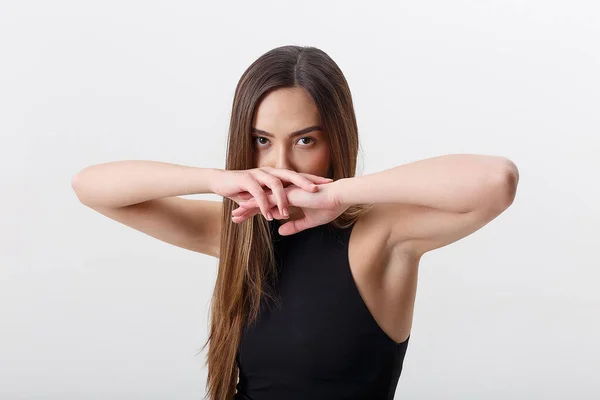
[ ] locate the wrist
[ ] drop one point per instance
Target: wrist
(213, 175)
(341, 191)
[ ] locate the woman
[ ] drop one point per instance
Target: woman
(317, 277)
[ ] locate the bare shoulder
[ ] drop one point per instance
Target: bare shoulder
(187, 223)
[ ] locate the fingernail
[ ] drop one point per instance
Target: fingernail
(269, 216)
(285, 211)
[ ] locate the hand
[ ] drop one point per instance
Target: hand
(238, 185)
(319, 208)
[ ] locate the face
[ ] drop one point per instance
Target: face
(286, 133)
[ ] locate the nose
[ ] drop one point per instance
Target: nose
(282, 159)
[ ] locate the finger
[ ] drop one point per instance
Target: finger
(249, 204)
(238, 216)
(241, 217)
(295, 226)
(276, 188)
(311, 177)
(317, 178)
(251, 211)
(293, 177)
(250, 185)
(270, 199)
(241, 197)
(241, 211)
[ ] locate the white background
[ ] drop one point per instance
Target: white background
(91, 309)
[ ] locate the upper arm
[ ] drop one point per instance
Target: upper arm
(419, 229)
(190, 224)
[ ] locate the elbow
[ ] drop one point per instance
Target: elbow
(505, 186)
(78, 187)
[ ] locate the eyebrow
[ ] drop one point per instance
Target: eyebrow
(292, 134)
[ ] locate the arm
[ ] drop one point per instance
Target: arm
(456, 183)
(122, 183)
(144, 196)
(430, 203)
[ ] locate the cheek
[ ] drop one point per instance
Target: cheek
(319, 163)
(258, 161)
(324, 158)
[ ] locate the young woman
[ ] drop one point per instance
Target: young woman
(317, 277)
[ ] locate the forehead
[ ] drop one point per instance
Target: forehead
(286, 109)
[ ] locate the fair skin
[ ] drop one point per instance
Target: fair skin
(438, 201)
(417, 207)
(280, 113)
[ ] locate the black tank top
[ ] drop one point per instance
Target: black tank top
(320, 341)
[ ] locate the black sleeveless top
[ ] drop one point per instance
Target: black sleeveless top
(320, 341)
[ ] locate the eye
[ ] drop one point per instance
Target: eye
(307, 137)
(263, 140)
(260, 137)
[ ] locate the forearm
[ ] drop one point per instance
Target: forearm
(455, 182)
(122, 183)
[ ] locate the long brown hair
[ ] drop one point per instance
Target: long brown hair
(246, 263)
